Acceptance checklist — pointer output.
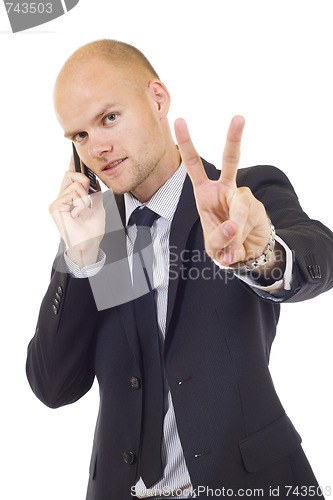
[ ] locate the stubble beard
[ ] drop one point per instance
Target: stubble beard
(140, 173)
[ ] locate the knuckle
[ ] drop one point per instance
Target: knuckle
(68, 175)
(55, 204)
(241, 211)
(245, 191)
(84, 180)
(192, 160)
(230, 159)
(52, 207)
(77, 186)
(261, 207)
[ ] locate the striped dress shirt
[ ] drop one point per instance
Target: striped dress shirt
(164, 202)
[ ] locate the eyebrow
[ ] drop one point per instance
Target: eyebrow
(105, 108)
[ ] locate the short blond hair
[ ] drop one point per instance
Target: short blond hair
(119, 54)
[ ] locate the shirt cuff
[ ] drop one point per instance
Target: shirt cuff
(86, 271)
(283, 284)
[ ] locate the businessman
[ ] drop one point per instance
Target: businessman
(167, 289)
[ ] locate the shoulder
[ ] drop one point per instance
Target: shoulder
(254, 177)
(261, 174)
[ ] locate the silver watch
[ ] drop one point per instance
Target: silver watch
(250, 265)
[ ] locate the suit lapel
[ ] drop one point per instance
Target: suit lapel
(185, 217)
(114, 284)
(119, 198)
(126, 311)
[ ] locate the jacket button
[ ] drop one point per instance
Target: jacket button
(57, 296)
(129, 457)
(56, 302)
(60, 292)
(55, 310)
(315, 271)
(135, 383)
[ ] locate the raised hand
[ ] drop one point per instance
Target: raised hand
(79, 217)
(235, 224)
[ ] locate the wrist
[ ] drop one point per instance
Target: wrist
(273, 270)
(83, 256)
(258, 262)
(268, 267)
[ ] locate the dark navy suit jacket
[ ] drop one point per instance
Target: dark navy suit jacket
(233, 428)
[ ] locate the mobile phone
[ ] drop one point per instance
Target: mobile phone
(81, 167)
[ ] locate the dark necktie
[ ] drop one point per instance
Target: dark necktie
(150, 467)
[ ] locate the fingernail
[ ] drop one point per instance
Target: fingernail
(227, 259)
(228, 231)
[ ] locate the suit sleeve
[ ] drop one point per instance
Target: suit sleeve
(310, 241)
(60, 361)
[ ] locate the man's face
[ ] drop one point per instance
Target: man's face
(113, 121)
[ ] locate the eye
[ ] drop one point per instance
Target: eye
(80, 136)
(111, 118)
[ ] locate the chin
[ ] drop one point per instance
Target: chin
(117, 189)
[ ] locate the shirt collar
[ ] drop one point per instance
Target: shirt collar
(164, 202)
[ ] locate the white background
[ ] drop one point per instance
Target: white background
(268, 60)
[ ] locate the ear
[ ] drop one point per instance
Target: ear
(160, 97)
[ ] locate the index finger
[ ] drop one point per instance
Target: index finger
(231, 152)
(71, 177)
(71, 164)
(190, 157)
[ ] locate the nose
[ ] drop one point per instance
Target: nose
(99, 145)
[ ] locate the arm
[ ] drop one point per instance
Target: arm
(310, 241)
(60, 363)
(235, 211)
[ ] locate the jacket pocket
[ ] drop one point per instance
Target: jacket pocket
(270, 444)
(93, 462)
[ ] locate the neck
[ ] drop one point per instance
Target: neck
(162, 172)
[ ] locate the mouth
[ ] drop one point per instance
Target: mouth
(113, 164)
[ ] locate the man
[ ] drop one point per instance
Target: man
(191, 410)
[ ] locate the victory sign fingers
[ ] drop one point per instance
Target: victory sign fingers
(235, 223)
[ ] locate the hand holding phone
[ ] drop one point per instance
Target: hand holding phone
(80, 218)
(81, 167)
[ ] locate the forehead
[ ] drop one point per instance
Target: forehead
(94, 76)
(83, 87)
